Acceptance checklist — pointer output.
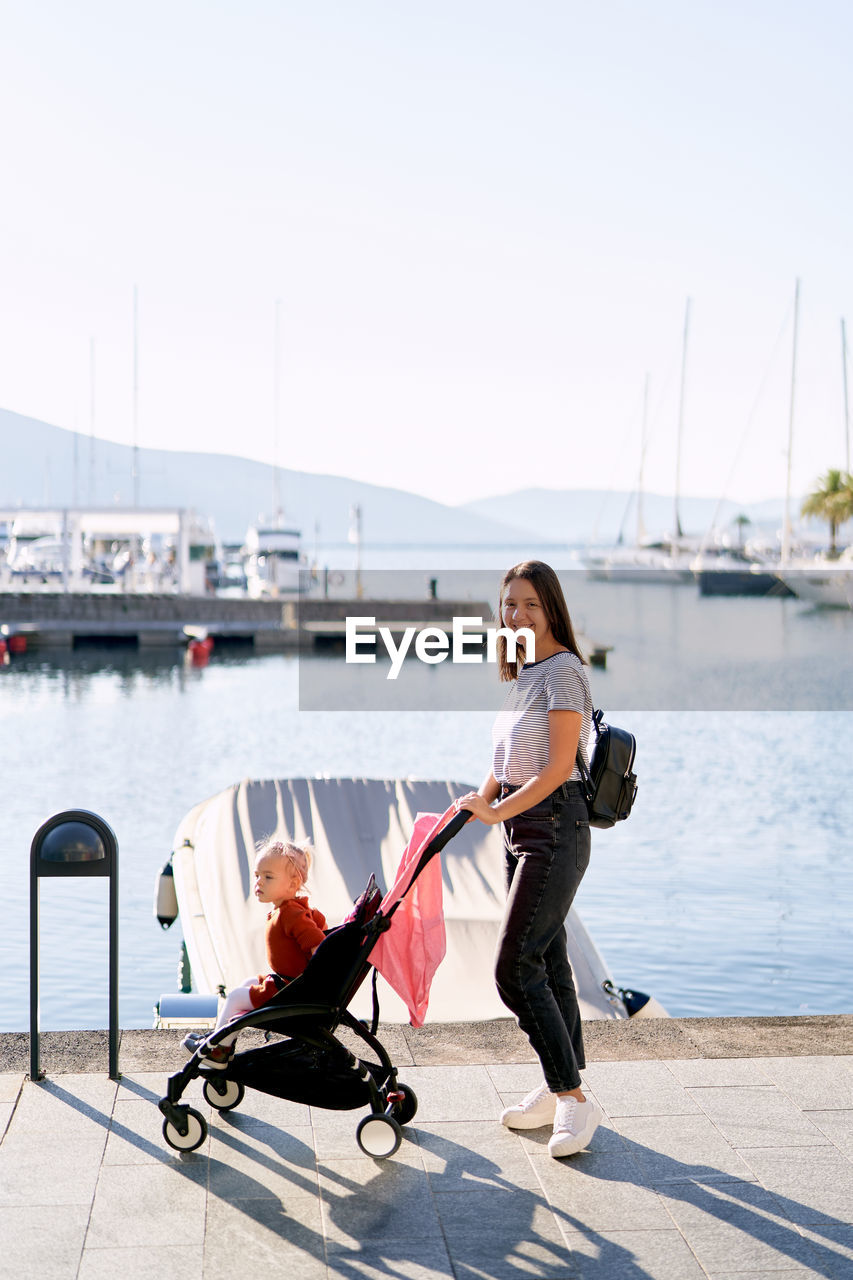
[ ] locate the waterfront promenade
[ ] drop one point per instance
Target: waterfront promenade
(727, 1151)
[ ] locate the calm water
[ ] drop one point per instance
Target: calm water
(727, 892)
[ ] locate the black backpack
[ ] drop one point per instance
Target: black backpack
(610, 782)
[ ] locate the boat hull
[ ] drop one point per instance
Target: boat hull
(358, 827)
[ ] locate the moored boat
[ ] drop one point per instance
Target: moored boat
(359, 827)
(821, 580)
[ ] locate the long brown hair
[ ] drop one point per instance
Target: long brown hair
(546, 584)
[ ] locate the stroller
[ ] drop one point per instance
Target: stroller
(312, 1065)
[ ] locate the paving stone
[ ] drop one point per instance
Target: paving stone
(141, 1086)
(463, 1156)
(751, 1117)
(335, 1135)
(838, 1128)
(413, 1260)
(252, 1166)
(453, 1093)
(33, 1243)
(602, 1192)
(813, 1185)
(377, 1200)
(516, 1078)
(11, 1083)
(251, 1238)
(155, 1262)
(638, 1089)
(71, 1103)
(6, 1111)
(39, 1170)
(136, 1135)
(833, 1247)
(795, 1273)
(676, 1148)
(714, 1072)
(491, 1216)
(788, 1274)
(736, 1225)
(813, 1084)
(631, 1255)
(136, 1205)
(525, 1259)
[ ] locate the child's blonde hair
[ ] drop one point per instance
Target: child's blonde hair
(299, 856)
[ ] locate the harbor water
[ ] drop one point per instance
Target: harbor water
(727, 892)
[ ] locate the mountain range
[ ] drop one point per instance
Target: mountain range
(46, 466)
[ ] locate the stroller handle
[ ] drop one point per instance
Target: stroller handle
(447, 833)
(438, 842)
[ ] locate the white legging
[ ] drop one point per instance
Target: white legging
(236, 1003)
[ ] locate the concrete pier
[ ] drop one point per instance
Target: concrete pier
(726, 1151)
(65, 619)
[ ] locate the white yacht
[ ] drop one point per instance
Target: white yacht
(821, 580)
(273, 559)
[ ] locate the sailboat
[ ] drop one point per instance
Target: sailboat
(273, 547)
(740, 571)
(824, 579)
(663, 560)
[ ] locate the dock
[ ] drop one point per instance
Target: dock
(57, 619)
(726, 1151)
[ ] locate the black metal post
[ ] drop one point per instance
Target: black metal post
(74, 843)
(35, 1068)
(113, 1010)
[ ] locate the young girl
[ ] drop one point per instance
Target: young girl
(294, 931)
(535, 790)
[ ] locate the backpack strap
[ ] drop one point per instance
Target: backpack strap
(586, 778)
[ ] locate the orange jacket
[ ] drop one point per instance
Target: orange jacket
(293, 930)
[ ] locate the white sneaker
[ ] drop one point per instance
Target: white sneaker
(574, 1125)
(533, 1112)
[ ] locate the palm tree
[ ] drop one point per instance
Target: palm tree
(741, 521)
(831, 501)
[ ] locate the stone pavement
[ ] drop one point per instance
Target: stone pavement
(723, 1167)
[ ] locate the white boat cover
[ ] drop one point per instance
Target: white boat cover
(357, 826)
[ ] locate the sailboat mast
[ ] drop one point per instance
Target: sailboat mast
(641, 529)
(91, 484)
(276, 478)
(678, 531)
(786, 527)
(134, 466)
(846, 403)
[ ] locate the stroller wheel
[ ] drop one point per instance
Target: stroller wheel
(194, 1136)
(405, 1110)
(223, 1095)
(379, 1136)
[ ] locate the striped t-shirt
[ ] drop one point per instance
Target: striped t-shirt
(520, 733)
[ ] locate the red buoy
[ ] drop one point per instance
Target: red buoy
(199, 653)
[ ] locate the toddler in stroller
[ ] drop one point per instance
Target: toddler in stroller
(312, 1064)
(294, 931)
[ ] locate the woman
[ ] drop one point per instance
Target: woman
(534, 789)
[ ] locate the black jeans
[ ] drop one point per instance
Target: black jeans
(547, 852)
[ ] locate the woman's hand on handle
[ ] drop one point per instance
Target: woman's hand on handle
(478, 806)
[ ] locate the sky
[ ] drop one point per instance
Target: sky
(443, 246)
